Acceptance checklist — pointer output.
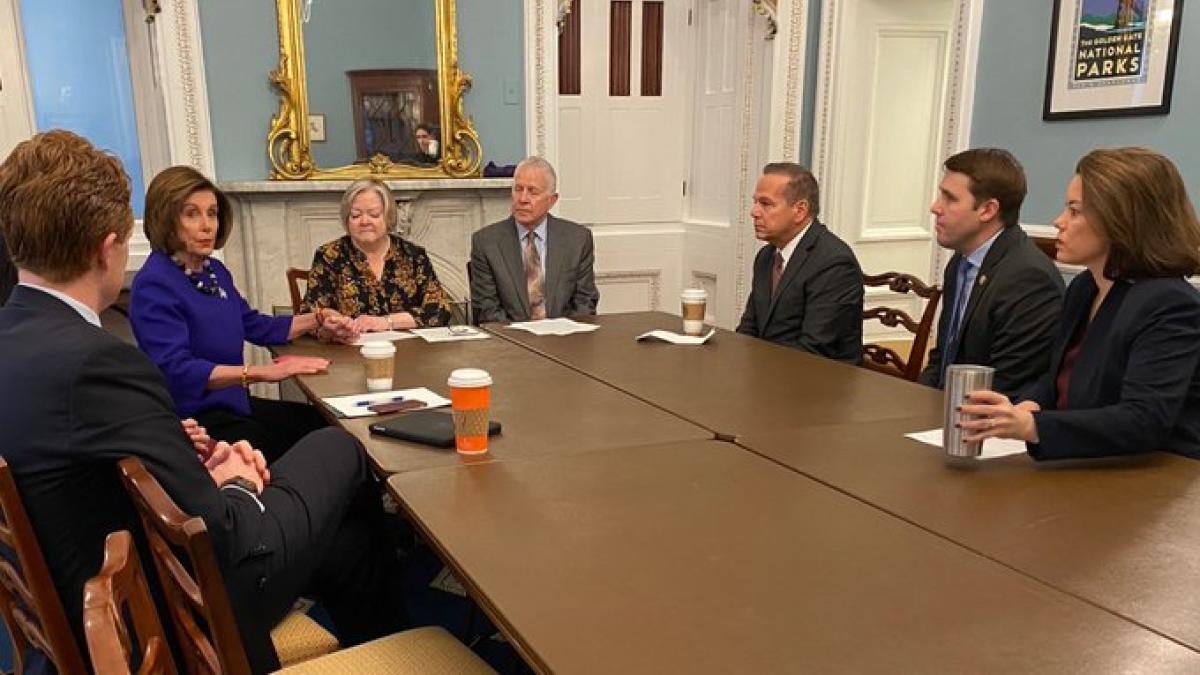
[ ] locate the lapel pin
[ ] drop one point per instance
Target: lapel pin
(982, 279)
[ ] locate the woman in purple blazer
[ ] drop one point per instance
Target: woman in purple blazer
(189, 318)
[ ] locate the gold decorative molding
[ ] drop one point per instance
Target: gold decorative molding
(288, 142)
(768, 9)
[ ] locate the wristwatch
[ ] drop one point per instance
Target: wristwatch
(243, 483)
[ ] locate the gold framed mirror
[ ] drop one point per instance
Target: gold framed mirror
(383, 114)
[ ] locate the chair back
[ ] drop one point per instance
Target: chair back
(194, 588)
(118, 592)
(884, 359)
(1046, 245)
(29, 601)
(294, 276)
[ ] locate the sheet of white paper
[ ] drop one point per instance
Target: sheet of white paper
(560, 326)
(676, 338)
(992, 447)
(450, 334)
(389, 335)
(355, 405)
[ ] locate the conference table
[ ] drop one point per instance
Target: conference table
(741, 506)
(732, 385)
(544, 407)
(700, 557)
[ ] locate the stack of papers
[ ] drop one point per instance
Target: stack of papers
(450, 334)
(554, 327)
(676, 338)
(389, 335)
(355, 405)
(992, 447)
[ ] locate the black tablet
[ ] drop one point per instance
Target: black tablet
(430, 427)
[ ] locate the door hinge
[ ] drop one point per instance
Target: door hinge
(685, 188)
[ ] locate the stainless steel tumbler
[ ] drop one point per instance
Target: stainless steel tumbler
(962, 379)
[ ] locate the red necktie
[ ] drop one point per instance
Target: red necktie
(776, 272)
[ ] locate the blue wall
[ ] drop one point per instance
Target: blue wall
(240, 49)
(1009, 88)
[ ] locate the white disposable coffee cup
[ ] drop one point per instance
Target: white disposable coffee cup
(379, 360)
(693, 302)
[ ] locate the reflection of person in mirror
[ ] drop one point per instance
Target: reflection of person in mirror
(428, 147)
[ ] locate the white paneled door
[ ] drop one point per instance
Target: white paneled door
(879, 166)
(621, 137)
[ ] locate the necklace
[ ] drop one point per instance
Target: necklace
(204, 281)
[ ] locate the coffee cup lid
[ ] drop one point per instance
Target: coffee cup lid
(377, 348)
(694, 294)
(469, 377)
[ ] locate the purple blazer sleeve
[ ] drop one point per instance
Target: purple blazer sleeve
(157, 315)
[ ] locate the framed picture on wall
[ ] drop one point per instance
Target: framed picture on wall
(1111, 58)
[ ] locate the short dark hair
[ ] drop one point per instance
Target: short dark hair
(60, 197)
(164, 203)
(801, 185)
(994, 174)
(426, 127)
(1136, 199)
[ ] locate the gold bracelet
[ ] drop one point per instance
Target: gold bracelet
(245, 376)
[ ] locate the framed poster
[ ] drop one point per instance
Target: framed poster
(1111, 58)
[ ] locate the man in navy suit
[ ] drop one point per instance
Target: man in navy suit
(77, 400)
(808, 290)
(1002, 295)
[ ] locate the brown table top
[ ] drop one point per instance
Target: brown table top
(732, 385)
(701, 557)
(1119, 533)
(545, 408)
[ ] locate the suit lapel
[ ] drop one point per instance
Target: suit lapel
(1008, 238)
(553, 264)
(510, 250)
(799, 255)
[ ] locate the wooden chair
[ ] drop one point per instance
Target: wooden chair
(884, 360)
(29, 601)
(1046, 245)
(120, 590)
(197, 597)
(294, 276)
(204, 618)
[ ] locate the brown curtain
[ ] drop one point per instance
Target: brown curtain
(569, 45)
(652, 48)
(619, 47)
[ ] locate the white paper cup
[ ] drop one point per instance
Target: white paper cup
(379, 360)
(693, 302)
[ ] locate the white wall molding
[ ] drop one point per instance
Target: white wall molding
(181, 60)
(787, 78)
(541, 79)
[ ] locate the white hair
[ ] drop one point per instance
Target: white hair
(535, 162)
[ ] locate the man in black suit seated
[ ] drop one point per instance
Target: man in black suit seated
(77, 400)
(1001, 295)
(808, 289)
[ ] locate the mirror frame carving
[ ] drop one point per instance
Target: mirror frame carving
(288, 144)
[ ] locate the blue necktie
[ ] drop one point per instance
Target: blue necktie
(960, 306)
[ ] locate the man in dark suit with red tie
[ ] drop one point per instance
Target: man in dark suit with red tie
(807, 291)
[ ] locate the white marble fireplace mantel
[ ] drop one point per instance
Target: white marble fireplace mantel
(279, 224)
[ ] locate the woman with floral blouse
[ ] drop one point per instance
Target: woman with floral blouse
(383, 281)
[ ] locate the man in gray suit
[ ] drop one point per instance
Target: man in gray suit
(1001, 295)
(808, 290)
(532, 265)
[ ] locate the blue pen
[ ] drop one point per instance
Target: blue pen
(394, 399)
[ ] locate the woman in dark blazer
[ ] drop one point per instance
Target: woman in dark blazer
(1124, 372)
